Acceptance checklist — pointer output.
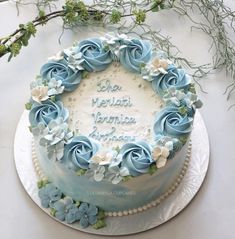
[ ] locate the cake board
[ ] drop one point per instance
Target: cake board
(130, 224)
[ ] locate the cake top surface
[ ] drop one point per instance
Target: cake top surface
(113, 107)
(115, 83)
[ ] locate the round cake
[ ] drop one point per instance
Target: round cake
(111, 119)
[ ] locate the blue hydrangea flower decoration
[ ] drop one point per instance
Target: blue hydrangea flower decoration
(66, 210)
(49, 194)
(87, 214)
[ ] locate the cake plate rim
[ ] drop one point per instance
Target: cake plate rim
(131, 224)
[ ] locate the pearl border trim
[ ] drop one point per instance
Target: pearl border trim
(154, 203)
(157, 201)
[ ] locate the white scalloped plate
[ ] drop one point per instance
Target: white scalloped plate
(139, 222)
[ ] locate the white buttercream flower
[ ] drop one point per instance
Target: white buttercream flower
(160, 154)
(39, 93)
(160, 64)
(154, 68)
(103, 157)
(55, 87)
(57, 57)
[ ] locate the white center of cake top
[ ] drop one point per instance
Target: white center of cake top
(113, 106)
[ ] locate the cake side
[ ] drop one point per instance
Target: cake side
(131, 194)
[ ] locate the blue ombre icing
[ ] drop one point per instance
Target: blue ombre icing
(170, 122)
(135, 53)
(136, 157)
(175, 77)
(60, 70)
(96, 58)
(78, 153)
(46, 112)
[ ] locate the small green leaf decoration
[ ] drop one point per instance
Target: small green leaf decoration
(99, 224)
(53, 212)
(127, 178)
(183, 139)
(30, 28)
(85, 74)
(42, 183)
(15, 48)
(157, 5)
(30, 128)
(98, 16)
(117, 149)
(77, 203)
(101, 214)
(41, 13)
(81, 172)
(152, 169)
(53, 98)
(183, 110)
(140, 16)
(3, 50)
(28, 106)
(192, 89)
(75, 12)
(115, 16)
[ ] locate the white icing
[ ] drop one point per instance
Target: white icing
(139, 104)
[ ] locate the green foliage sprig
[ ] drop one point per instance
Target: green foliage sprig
(129, 16)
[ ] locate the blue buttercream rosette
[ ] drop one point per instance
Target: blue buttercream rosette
(175, 77)
(44, 113)
(170, 122)
(79, 151)
(136, 157)
(60, 71)
(96, 58)
(134, 53)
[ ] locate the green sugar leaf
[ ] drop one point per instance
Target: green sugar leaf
(81, 172)
(99, 224)
(53, 212)
(28, 106)
(152, 169)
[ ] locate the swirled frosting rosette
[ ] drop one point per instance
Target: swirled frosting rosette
(169, 121)
(79, 151)
(136, 157)
(134, 53)
(44, 113)
(174, 77)
(60, 71)
(96, 58)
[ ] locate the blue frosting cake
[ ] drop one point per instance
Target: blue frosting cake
(111, 121)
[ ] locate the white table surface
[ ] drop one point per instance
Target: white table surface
(211, 213)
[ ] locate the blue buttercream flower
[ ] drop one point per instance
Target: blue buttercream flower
(79, 151)
(87, 214)
(46, 112)
(49, 194)
(66, 210)
(60, 71)
(115, 174)
(136, 157)
(135, 53)
(175, 77)
(94, 55)
(170, 122)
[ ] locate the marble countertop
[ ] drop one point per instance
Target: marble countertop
(211, 213)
